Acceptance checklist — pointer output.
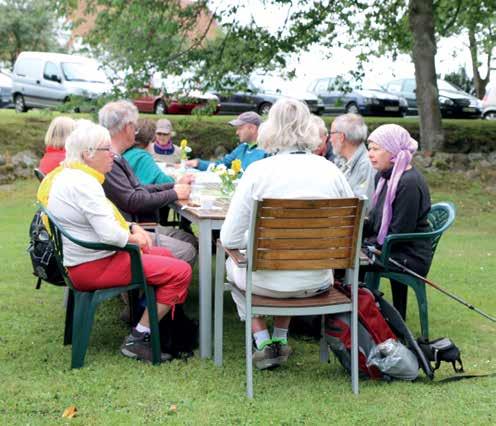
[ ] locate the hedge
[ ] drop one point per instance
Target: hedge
(19, 132)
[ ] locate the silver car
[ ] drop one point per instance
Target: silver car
(44, 80)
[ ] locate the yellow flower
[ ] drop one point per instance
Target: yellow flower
(184, 143)
(236, 166)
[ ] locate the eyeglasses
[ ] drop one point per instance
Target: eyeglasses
(107, 148)
(334, 133)
(162, 134)
(136, 128)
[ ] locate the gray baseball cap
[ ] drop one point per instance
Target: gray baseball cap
(164, 126)
(248, 117)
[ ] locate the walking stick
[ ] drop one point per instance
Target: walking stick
(377, 252)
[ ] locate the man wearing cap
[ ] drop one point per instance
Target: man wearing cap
(247, 131)
(162, 148)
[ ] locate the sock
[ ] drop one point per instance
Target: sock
(280, 335)
(262, 338)
(142, 329)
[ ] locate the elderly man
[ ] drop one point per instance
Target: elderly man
(348, 134)
(123, 188)
(247, 131)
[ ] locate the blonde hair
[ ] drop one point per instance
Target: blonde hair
(58, 131)
(86, 137)
(288, 126)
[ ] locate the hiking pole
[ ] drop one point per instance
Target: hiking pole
(377, 252)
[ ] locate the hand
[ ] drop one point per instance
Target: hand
(138, 239)
(192, 163)
(139, 230)
(182, 191)
(186, 179)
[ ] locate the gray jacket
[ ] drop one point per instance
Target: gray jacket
(359, 173)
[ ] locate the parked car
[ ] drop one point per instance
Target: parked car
(5, 89)
(44, 80)
(340, 96)
(489, 104)
(258, 100)
(157, 102)
(454, 102)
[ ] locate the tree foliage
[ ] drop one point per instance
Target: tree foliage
(26, 25)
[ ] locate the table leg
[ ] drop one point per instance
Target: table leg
(205, 278)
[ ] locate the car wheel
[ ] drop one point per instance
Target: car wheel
(352, 108)
(160, 107)
(20, 106)
(264, 108)
(490, 115)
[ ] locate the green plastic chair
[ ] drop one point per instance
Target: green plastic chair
(440, 218)
(81, 305)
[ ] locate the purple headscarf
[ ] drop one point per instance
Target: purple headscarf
(396, 140)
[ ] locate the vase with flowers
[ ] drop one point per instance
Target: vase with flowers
(228, 177)
(185, 150)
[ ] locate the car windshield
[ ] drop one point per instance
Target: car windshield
(444, 85)
(74, 71)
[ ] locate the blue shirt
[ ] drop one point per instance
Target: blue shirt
(145, 168)
(244, 152)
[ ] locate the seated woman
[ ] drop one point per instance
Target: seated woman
(141, 161)
(400, 204)
(292, 172)
(77, 200)
(55, 137)
(163, 149)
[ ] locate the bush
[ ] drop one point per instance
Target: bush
(19, 132)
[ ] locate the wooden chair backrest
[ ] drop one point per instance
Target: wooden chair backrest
(306, 234)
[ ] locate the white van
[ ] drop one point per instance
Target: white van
(44, 80)
(489, 103)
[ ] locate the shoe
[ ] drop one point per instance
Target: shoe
(283, 350)
(266, 357)
(138, 346)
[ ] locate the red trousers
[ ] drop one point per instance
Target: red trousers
(171, 276)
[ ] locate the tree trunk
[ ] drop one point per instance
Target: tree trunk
(479, 82)
(421, 22)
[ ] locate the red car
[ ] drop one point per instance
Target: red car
(165, 104)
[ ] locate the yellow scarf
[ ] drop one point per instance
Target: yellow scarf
(46, 186)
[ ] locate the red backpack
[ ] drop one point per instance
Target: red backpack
(372, 330)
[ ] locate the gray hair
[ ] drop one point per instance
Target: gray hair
(86, 137)
(115, 115)
(288, 126)
(320, 125)
(352, 126)
(58, 131)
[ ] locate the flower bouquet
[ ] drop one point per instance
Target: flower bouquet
(228, 176)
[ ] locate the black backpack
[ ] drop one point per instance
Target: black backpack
(41, 251)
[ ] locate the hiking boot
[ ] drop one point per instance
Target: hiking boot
(139, 346)
(265, 358)
(283, 350)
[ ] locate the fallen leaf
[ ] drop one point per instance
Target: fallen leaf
(70, 412)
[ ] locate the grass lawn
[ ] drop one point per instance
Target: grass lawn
(37, 384)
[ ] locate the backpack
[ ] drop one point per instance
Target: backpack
(372, 330)
(387, 349)
(41, 251)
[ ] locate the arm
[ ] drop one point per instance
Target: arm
(123, 189)
(98, 211)
(226, 160)
(147, 170)
(406, 208)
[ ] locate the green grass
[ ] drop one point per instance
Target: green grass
(37, 384)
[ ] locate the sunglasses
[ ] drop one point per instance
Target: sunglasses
(162, 134)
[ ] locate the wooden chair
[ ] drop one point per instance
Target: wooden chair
(296, 235)
(440, 218)
(82, 305)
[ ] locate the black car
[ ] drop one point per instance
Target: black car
(339, 97)
(255, 99)
(454, 102)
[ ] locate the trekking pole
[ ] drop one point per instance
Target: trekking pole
(377, 252)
